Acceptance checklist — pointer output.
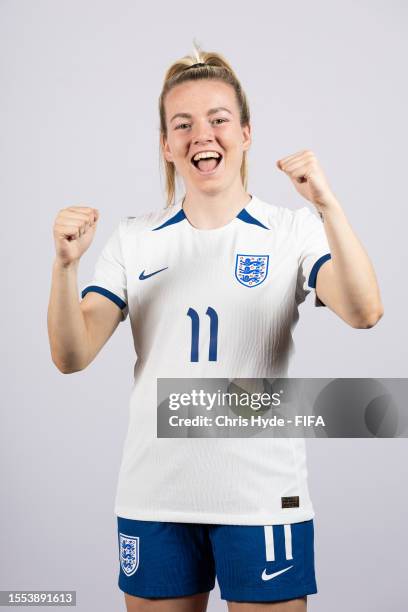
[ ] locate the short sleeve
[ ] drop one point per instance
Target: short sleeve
(314, 251)
(109, 277)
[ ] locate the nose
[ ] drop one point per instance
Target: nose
(203, 139)
(203, 133)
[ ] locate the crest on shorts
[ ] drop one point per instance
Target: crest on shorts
(251, 270)
(129, 553)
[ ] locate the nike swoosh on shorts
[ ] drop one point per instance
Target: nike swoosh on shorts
(266, 576)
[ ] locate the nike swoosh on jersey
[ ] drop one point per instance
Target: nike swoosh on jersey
(143, 276)
(266, 576)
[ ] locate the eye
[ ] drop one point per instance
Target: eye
(181, 126)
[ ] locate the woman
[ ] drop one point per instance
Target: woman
(212, 284)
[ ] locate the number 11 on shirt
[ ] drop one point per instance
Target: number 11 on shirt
(195, 333)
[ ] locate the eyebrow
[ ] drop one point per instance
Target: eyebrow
(212, 111)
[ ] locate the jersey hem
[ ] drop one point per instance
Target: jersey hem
(209, 518)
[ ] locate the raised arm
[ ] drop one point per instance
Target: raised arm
(346, 283)
(76, 330)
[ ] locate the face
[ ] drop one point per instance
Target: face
(196, 122)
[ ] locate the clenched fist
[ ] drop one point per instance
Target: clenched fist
(74, 229)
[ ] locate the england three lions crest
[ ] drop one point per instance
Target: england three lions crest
(129, 553)
(251, 270)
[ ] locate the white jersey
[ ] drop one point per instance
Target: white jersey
(165, 274)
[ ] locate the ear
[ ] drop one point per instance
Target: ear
(247, 139)
(166, 149)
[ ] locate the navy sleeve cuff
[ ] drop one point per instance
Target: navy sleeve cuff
(111, 296)
(316, 268)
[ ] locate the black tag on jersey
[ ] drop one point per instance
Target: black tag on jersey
(290, 502)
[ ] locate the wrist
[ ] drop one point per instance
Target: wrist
(61, 265)
(328, 206)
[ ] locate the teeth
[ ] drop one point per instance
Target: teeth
(205, 154)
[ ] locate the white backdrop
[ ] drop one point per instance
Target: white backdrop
(80, 82)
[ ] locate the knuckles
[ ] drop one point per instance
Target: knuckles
(306, 153)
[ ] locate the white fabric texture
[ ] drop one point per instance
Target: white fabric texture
(161, 267)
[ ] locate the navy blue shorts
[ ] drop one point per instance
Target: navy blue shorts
(251, 563)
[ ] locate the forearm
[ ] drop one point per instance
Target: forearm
(355, 277)
(66, 324)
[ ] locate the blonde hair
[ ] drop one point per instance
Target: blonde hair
(217, 68)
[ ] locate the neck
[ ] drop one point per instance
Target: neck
(212, 210)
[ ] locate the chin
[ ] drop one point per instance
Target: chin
(207, 186)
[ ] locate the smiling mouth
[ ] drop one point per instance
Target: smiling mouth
(218, 160)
